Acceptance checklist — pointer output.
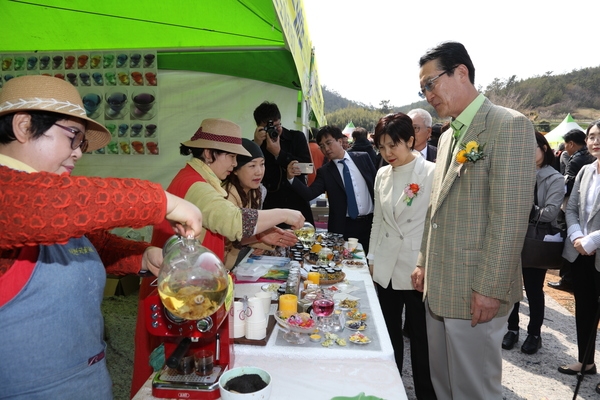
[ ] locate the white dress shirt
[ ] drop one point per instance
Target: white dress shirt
(361, 190)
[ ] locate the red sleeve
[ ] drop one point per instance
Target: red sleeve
(45, 208)
(120, 256)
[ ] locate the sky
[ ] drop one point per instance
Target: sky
(369, 50)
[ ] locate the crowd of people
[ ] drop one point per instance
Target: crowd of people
(441, 211)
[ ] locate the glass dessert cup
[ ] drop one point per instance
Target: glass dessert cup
(294, 334)
(323, 307)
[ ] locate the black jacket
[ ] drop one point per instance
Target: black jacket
(576, 162)
(363, 144)
(294, 146)
(329, 180)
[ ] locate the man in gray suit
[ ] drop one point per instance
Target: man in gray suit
(469, 266)
(422, 123)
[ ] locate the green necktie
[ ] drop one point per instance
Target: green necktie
(456, 128)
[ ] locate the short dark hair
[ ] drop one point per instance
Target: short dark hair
(575, 135)
(198, 153)
(548, 153)
(312, 134)
(359, 133)
(265, 112)
(398, 126)
(591, 125)
(41, 121)
(330, 130)
(450, 55)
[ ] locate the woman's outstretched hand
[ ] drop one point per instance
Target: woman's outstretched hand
(185, 217)
(278, 237)
(293, 218)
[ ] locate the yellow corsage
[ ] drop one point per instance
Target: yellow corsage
(471, 152)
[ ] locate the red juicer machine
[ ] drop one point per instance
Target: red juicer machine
(182, 339)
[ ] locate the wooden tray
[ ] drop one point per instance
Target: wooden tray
(263, 342)
(307, 260)
(332, 281)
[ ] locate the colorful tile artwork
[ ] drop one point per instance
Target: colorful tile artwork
(119, 89)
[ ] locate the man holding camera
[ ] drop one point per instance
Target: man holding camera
(280, 147)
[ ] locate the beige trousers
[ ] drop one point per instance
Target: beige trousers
(465, 361)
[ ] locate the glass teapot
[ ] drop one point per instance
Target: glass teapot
(193, 281)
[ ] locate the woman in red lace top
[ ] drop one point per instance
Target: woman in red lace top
(54, 245)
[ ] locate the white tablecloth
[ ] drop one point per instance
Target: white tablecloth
(301, 372)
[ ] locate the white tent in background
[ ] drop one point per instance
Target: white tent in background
(349, 129)
(555, 136)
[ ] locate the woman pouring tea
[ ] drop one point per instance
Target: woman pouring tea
(55, 250)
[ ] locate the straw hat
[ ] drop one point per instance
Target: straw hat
(218, 134)
(46, 93)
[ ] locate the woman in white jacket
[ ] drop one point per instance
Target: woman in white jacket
(581, 249)
(402, 191)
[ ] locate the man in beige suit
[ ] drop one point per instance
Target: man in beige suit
(469, 266)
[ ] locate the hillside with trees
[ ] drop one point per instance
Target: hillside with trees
(545, 99)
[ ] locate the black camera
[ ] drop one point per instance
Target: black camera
(271, 130)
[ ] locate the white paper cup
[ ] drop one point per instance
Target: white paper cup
(256, 311)
(238, 313)
(239, 330)
(256, 324)
(265, 298)
(256, 330)
(352, 243)
(256, 334)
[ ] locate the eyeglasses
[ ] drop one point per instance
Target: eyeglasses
(78, 140)
(430, 83)
(593, 138)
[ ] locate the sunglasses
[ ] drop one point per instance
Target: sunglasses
(78, 140)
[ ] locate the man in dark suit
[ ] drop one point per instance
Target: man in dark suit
(422, 122)
(349, 214)
(280, 149)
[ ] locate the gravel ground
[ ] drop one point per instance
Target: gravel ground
(535, 377)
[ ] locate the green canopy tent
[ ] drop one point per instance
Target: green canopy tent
(215, 58)
(555, 136)
(264, 40)
(349, 129)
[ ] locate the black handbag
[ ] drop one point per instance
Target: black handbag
(536, 252)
